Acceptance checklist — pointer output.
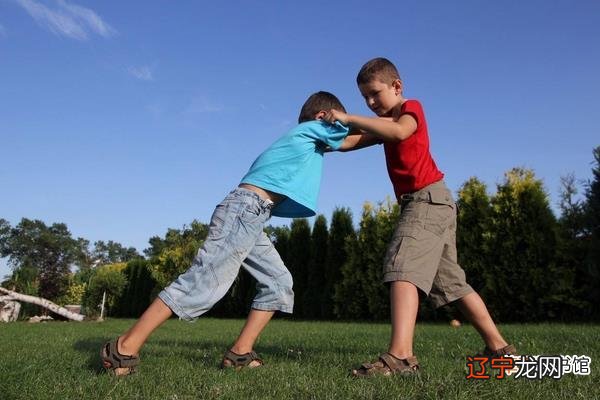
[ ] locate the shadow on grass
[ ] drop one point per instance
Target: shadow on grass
(91, 347)
(206, 353)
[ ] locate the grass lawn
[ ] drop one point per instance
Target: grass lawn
(304, 360)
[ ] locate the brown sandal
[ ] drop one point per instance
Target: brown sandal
(239, 361)
(388, 365)
(112, 359)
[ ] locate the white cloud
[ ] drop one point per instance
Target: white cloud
(90, 18)
(70, 20)
(143, 73)
(202, 105)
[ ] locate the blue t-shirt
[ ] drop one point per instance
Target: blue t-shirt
(292, 166)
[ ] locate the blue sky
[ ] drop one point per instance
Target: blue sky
(123, 119)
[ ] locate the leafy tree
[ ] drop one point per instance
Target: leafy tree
(195, 232)
(298, 259)
(341, 231)
(112, 252)
(316, 268)
(361, 293)
(74, 294)
(386, 217)
(522, 246)
(107, 279)
(49, 251)
(474, 212)
(174, 254)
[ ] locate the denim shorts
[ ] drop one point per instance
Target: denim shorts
(423, 248)
(235, 238)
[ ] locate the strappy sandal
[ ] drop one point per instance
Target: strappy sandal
(239, 361)
(112, 359)
(388, 365)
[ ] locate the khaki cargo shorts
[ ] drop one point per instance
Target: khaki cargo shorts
(423, 248)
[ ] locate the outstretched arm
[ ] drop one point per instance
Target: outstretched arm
(356, 141)
(386, 129)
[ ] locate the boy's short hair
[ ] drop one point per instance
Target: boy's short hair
(378, 68)
(320, 101)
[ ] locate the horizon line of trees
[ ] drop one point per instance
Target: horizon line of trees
(527, 263)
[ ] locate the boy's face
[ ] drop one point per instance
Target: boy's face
(381, 97)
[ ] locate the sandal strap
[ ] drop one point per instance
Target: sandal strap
(242, 360)
(116, 359)
(397, 364)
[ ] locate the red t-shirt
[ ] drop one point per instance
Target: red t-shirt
(409, 161)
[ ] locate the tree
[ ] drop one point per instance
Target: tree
(280, 236)
(361, 293)
(316, 268)
(137, 292)
(298, 259)
(374, 250)
(175, 253)
(522, 245)
(473, 219)
(341, 231)
(195, 232)
(592, 213)
(112, 252)
(49, 251)
(571, 252)
(107, 279)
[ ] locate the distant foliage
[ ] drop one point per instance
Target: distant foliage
(137, 292)
(361, 294)
(527, 264)
(298, 259)
(108, 279)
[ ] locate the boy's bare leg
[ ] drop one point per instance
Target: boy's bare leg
(256, 322)
(132, 341)
(404, 301)
(474, 309)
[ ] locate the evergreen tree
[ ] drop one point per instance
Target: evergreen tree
(137, 293)
(522, 247)
(374, 250)
(341, 232)
(361, 293)
(474, 211)
(316, 269)
(571, 252)
(592, 212)
(298, 259)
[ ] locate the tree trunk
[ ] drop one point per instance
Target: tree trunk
(43, 303)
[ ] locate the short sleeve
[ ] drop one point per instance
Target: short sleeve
(332, 135)
(414, 109)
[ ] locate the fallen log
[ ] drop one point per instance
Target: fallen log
(9, 309)
(43, 303)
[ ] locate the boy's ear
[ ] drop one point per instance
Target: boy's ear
(320, 115)
(397, 85)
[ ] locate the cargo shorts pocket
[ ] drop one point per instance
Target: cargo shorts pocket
(440, 212)
(402, 244)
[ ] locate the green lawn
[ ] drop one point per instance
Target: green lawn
(304, 360)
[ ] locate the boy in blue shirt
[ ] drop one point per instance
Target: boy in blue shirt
(283, 181)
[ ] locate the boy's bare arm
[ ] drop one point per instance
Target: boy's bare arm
(386, 129)
(359, 140)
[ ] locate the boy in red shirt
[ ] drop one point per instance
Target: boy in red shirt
(422, 253)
